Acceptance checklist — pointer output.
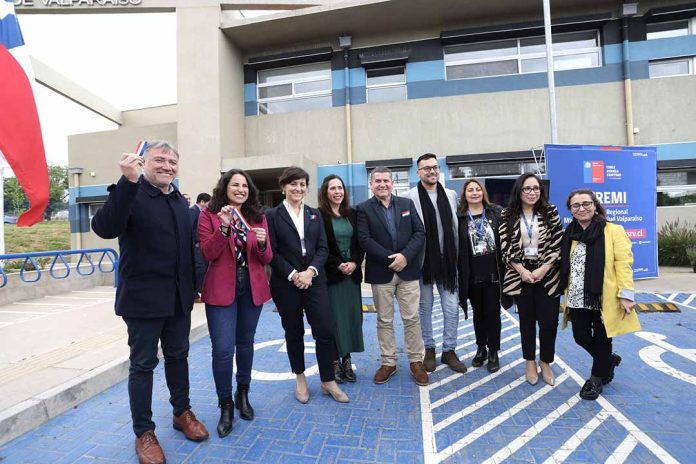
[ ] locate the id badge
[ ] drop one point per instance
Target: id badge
(531, 251)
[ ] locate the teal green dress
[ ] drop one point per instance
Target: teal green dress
(345, 298)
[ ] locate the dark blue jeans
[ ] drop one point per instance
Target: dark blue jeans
(232, 328)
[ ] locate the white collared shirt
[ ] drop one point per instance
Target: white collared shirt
(298, 221)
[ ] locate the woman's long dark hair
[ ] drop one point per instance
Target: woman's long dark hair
(251, 209)
(514, 209)
(600, 212)
(325, 203)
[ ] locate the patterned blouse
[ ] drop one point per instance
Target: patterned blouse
(549, 251)
(576, 280)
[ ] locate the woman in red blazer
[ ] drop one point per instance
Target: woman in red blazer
(234, 240)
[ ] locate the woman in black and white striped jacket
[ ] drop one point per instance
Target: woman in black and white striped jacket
(530, 242)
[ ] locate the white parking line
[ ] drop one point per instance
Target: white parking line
(473, 342)
(455, 375)
(478, 383)
(491, 424)
(622, 451)
(689, 299)
(532, 431)
(638, 434)
(576, 440)
(680, 304)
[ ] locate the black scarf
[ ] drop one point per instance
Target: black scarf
(439, 265)
(593, 238)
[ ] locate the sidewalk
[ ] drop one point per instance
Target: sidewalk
(60, 350)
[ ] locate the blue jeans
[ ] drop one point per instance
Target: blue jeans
(449, 302)
(231, 327)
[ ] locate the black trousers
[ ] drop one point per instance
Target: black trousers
(589, 333)
(535, 306)
(143, 335)
(485, 300)
(315, 302)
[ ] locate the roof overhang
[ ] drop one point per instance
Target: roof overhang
(370, 17)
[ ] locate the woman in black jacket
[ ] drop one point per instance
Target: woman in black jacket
(343, 273)
(480, 269)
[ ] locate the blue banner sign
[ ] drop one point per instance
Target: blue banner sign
(625, 182)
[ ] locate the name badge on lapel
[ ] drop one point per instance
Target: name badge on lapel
(405, 213)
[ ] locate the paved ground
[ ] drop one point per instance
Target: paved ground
(643, 416)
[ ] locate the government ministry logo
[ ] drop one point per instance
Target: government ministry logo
(593, 172)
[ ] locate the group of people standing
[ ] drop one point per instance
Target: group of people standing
(468, 248)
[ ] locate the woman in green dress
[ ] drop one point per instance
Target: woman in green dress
(343, 273)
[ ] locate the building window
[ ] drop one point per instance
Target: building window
(572, 50)
(672, 67)
(295, 88)
(676, 188)
(386, 84)
(496, 169)
(667, 30)
(93, 208)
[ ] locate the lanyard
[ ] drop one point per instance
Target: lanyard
(530, 230)
(480, 230)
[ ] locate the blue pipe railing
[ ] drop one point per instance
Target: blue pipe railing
(108, 262)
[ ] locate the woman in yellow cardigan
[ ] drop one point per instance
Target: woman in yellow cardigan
(596, 269)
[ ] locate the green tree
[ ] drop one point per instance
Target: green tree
(16, 201)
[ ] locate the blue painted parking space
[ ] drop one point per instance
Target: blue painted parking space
(642, 416)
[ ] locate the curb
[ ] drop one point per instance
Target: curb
(29, 414)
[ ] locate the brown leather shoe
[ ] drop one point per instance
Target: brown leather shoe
(148, 449)
(450, 358)
(419, 374)
(192, 427)
(384, 373)
(429, 360)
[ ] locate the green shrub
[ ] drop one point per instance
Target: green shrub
(673, 241)
(691, 254)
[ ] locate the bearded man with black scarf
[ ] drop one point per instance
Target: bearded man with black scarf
(437, 208)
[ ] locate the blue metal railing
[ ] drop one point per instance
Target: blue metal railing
(59, 268)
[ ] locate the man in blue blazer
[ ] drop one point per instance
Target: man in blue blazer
(392, 235)
(150, 217)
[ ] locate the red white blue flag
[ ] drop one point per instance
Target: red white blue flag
(21, 142)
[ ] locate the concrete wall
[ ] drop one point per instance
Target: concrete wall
(478, 123)
(318, 135)
(210, 97)
(149, 116)
(665, 109)
(99, 152)
(684, 214)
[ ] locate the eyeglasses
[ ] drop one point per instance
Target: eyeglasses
(529, 190)
(585, 205)
(429, 168)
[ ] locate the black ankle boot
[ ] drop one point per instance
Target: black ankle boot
(241, 400)
(493, 362)
(226, 415)
(481, 355)
(339, 375)
(348, 372)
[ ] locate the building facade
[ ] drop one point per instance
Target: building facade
(348, 85)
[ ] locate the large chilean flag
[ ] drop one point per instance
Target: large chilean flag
(20, 132)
